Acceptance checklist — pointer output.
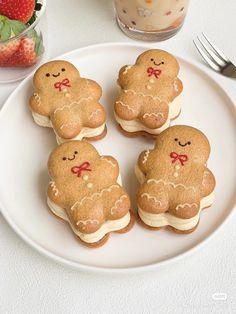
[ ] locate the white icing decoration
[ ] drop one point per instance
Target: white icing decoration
(90, 185)
(67, 124)
(94, 113)
(124, 105)
(176, 86)
(37, 98)
(127, 69)
(149, 87)
(151, 81)
(85, 177)
(150, 197)
(145, 158)
(88, 221)
(176, 174)
(204, 180)
(120, 200)
(109, 161)
(177, 167)
(172, 184)
(141, 94)
(92, 198)
(186, 205)
(54, 188)
(153, 114)
(75, 103)
(67, 94)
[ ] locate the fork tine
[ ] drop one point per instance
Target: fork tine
(220, 53)
(212, 54)
(208, 60)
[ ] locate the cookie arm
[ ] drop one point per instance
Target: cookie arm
(54, 194)
(208, 182)
(143, 161)
(95, 89)
(112, 166)
(177, 86)
(124, 75)
(37, 105)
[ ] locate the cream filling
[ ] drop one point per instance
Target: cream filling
(166, 219)
(85, 132)
(108, 226)
(136, 125)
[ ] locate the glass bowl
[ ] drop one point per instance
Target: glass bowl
(27, 50)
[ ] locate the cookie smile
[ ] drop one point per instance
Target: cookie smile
(56, 75)
(183, 145)
(71, 158)
(157, 64)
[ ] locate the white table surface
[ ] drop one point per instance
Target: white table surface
(30, 283)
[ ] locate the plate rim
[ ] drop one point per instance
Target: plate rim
(100, 269)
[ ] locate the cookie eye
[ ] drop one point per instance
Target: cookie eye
(76, 152)
(63, 70)
(64, 158)
(163, 62)
(189, 143)
(48, 74)
(176, 139)
(152, 59)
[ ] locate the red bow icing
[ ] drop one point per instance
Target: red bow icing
(182, 158)
(85, 166)
(156, 72)
(64, 83)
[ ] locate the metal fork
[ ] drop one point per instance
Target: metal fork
(214, 57)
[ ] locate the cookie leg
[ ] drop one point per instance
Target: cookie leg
(127, 106)
(66, 123)
(93, 115)
(153, 198)
(154, 114)
(116, 203)
(184, 205)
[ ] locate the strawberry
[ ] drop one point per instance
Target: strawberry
(9, 29)
(20, 10)
(25, 56)
(7, 50)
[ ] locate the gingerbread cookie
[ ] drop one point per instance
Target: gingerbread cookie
(86, 191)
(175, 181)
(67, 103)
(150, 93)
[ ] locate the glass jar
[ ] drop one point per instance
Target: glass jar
(24, 51)
(151, 20)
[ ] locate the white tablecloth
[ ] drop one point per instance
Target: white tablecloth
(30, 283)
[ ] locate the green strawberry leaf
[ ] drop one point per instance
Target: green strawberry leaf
(1, 26)
(6, 32)
(17, 27)
(39, 48)
(10, 28)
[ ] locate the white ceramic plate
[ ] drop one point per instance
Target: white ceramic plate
(26, 146)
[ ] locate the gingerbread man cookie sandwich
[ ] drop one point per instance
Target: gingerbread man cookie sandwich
(85, 190)
(175, 181)
(150, 94)
(67, 102)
